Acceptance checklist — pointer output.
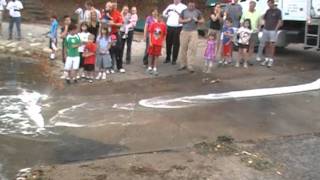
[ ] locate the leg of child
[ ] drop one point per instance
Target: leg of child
(150, 59)
(210, 65)
(240, 56)
(205, 68)
(245, 57)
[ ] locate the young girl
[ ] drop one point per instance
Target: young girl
(84, 35)
(157, 35)
(103, 62)
(90, 57)
(210, 52)
(244, 33)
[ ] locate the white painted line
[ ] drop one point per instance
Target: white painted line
(188, 101)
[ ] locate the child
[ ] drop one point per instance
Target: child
(63, 35)
(244, 33)
(84, 35)
(106, 17)
(157, 34)
(227, 42)
(53, 37)
(103, 62)
(72, 43)
(210, 52)
(79, 11)
(132, 22)
(90, 57)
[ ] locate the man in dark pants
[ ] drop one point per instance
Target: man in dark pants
(115, 25)
(172, 13)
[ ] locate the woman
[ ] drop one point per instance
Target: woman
(149, 20)
(216, 22)
(126, 16)
(93, 25)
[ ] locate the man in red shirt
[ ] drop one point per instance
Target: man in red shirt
(157, 33)
(116, 23)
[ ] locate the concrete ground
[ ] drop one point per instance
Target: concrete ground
(104, 118)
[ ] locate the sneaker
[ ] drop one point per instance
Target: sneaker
(258, 59)
(112, 71)
(78, 77)
(68, 81)
(52, 56)
(182, 68)
(237, 64)
(125, 36)
(122, 70)
(149, 70)
(226, 62)
(107, 72)
(265, 62)
(220, 62)
(270, 63)
(155, 72)
(99, 76)
(90, 80)
(208, 71)
(63, 77)
(104, 76)
(245, 65)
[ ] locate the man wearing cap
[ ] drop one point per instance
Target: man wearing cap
(272, 23)
(172, 14)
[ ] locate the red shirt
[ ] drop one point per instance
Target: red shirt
(90, 47)
(116, 18)
(158, 32)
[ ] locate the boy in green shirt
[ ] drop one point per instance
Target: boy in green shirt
(72, 43)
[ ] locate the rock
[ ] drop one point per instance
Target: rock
(13, 50)
(13, 44)
(35, 44)
(46, 50)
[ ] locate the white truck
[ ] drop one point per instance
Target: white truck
(301, 21)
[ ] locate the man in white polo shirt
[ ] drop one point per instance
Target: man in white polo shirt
(172, 14)
(3, 4)
(14, 7)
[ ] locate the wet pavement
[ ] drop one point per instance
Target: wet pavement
(85, 122)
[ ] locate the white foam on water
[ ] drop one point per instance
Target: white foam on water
(187, 101)
(128, 106)
(21, 113)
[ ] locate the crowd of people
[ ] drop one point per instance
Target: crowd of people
(93, 47)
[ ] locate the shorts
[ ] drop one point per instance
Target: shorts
(244, 46)
(227, 50)
(103, 61)
(88, 67)
(154, 51)
(269, 36)
(72, 63)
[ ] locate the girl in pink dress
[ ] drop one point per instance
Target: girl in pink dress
(210, 52)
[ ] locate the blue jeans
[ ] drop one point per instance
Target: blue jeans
(17, 21)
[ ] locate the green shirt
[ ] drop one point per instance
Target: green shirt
(254, 18)
(70, 42)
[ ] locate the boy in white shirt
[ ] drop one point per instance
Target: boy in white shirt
(14, 7)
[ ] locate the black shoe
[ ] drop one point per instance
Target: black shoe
(191, 71)
(166, 61)
(182, 68)
(68, 81)
(174, 63)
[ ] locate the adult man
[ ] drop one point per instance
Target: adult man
(234, 11)
(116, 23)
(172, 13)
(3, 4)
(190, 18)
(14, 7)
(272, 23)
(254, 16)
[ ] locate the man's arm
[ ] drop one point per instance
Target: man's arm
(165, 12)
